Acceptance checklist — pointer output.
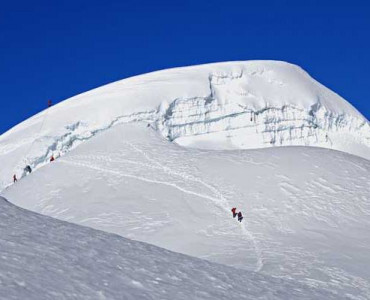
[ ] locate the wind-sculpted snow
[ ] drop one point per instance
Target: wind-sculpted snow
(306, 210)
(43, 258)
(236, 105)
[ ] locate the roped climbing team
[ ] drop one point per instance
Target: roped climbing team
(27, 169)
(239, 214)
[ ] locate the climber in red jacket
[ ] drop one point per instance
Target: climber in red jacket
(233, 210)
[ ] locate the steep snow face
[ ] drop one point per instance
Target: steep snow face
(43, 258)
(236, 105)
(306, 210)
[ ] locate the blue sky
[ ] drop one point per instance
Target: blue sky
(56, 49)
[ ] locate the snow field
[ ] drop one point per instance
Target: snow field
(306, 210)
(43, 258)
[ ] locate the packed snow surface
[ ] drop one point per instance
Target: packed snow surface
(43, 258)
(235, 105)
(153, 163)
(306, 210)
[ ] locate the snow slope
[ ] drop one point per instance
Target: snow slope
(172, 184)
(235, 105)
(43, 258)
(306, 209)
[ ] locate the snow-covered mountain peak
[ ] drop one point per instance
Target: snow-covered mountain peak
(306, 210)
(254, 84)
(231, 105)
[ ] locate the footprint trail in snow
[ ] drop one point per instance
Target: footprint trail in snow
(216, 196)
(220, 200)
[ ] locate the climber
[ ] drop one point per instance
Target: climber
(15, 178)
(240, 216)
(233, 210)
(52, 158)
(49, 103)
(27, 169)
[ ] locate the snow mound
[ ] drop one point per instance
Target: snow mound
(234, 105)
(43, 258)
